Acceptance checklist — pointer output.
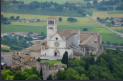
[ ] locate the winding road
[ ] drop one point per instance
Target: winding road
(120, 34)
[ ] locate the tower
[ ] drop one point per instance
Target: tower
(51, 27)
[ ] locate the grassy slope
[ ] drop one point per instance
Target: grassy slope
(17, 28)
(52, 61)
(4, 46)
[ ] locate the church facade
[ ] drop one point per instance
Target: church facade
(75, 42)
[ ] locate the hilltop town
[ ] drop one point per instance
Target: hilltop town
(61, 39)
(76, 43)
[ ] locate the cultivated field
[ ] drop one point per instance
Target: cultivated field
(57, 1)
(4, 46)
(116, 27)
(103, 15)
(82, 22)
(115, 12)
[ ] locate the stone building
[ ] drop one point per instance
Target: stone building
(6, 57)
(75, 42)
(45, 69)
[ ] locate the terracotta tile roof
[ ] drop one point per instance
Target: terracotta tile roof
(36, 47)
(66, 32)
(52, 18)
(17, 57)
(89, 32)
(89, 41)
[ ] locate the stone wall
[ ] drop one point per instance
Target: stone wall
(45, 69)
(54, 69)
(7, 58)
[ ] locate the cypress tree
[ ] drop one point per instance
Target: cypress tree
(41, 73)
(65, 58)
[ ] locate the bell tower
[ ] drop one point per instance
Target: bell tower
(51, 27)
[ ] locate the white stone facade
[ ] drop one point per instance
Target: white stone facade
(72, 41)
(53, 38)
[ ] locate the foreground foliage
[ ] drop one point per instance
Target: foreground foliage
(27, 74)
(108, 66)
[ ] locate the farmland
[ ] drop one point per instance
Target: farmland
(17, 28)
(114, 12)
(82, 22)
(103, 15)
(116, 28)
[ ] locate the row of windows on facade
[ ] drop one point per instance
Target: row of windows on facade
(51, 28)
(52, 22)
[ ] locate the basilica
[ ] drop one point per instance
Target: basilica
(77, 43)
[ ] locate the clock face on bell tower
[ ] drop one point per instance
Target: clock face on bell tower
(56, 44)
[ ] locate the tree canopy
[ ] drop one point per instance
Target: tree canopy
(108, 66)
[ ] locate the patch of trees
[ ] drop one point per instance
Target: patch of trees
(101, 20)
(14, 43)
(95, 2)
(105, 20)
(5, 20)
(120, 7)
(5, 50)
(13, 18)
(108, 66)
(85, 29)
(115, 44)
(105, 5)
(102, 8)
(27, 74)
(45, 6)
(110, 2)
(50, 77)
(60, 18)
(71, 19)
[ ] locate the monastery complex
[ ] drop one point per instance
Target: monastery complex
(77, 43)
